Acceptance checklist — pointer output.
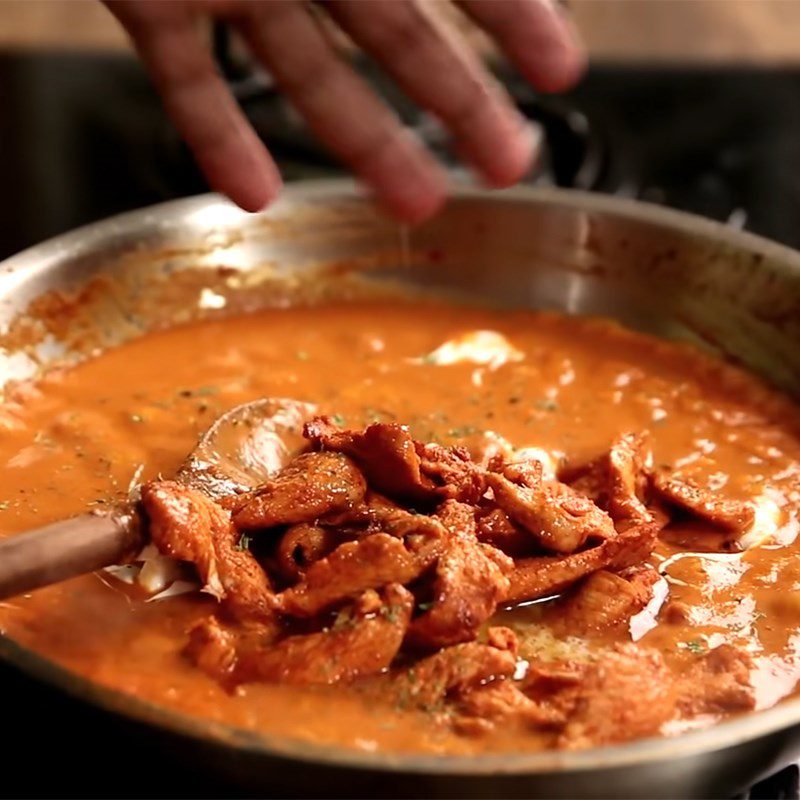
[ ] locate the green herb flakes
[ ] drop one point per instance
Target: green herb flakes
(465, 430)
(391, 613)
(343, 620)
(201, 391)
(546, 404)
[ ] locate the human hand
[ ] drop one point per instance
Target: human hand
(430, 64)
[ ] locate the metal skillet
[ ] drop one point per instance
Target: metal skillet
(655, 270)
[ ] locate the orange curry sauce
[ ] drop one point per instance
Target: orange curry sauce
(79, 437)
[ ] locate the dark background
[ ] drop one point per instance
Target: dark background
(83, 137)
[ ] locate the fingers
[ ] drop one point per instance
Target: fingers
(231, 156)
(536, 36)
(441, 74)
(423, 56)
(343, 111)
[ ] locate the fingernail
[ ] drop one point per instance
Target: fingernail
(522, 153)
(532, 131)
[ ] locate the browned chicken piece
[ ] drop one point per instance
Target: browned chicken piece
(628, 693)
(233, 502)
(525, 473)
(482, 708)
(363, 641)
(559, 518)
(494, 527)
(452, 470)
(549, 679)
(455, 670)
(659, 513)
(546, 575)
(718, 682)
(629, 470)
(369, 513)
(384, 451)
(309, 487)
(385, 517)
(424, 536)
(542, 699)
(378, 514)
(603, 602)
(188, 526)
(589, 478)
(733, 515)
(213, 646)
(457, 518)
(502, 638)
(351, 568)
(554, 685)
(469, 581)
(301, 546)
(618, 480)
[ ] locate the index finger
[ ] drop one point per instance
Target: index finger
(228, 151)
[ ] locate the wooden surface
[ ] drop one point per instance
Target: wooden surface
(760, 31)
(754, 31)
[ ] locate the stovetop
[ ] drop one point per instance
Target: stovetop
(83, 137)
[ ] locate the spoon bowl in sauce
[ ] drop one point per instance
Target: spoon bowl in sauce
(240, 450)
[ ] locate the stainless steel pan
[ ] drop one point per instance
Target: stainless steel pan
(656, 270)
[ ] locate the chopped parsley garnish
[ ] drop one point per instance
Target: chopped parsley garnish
(338, 419)
(343, 620)
(695, 646)
(391, 613)
(377, 414)
(201, 391)
(546, 404)
(244, 542)
(466, 430)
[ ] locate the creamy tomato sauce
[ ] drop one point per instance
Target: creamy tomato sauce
(80, 437)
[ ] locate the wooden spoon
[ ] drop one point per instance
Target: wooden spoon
(239, 451)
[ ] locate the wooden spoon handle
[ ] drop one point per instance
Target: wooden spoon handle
(67, 548)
